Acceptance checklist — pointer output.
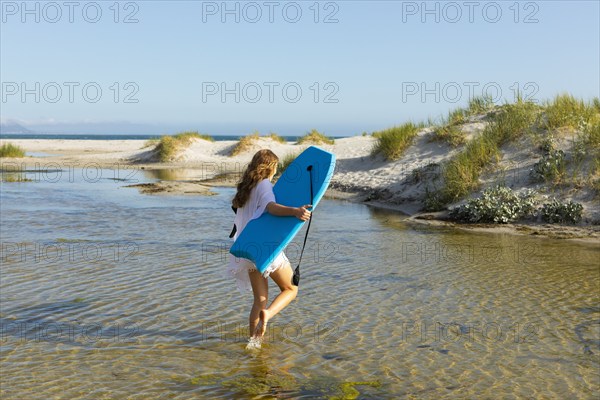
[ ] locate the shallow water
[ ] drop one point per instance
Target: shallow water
(38, 154)
(107, 293)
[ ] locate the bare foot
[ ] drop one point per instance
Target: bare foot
(261, 328)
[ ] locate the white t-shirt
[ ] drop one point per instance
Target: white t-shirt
(261, 195)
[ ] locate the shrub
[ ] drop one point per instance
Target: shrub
(550, 167)
(168, 146)
(557, 212)
(592, 136)
(498, 205)
(512, 121)
(457, 117)
(480, 105)
(433, 201)
(285, 162)
(393, 142)
(461, 173)
(244, 144)
(315, 137)
(450, 134)
(10, 150)
(276, 137)
(596, 104)
(567, 111)
(547, 144)
(186, 137)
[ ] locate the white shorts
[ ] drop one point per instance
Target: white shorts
(239, 267)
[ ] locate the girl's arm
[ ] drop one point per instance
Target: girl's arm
(283, 211)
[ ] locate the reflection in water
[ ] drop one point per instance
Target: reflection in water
(14, 177)
(130, 300)
(206, 172)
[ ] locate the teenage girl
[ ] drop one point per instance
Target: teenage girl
(254, 197)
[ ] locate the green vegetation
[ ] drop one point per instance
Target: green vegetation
(457, 116)
(450, 134)
(245, 144)
(10, 150)
(558, 212)
(587, 141)
(151, 143)
(248, 141)
(12, 177)
(315, 137)
(520, 122)
(499, 205)
(502, 205)
(592, 135)
(433, 201)
(169, 146)
(349, 392)
(550, 168)
(189, 135)
(512, 121)
(285, 162)
(480, 105)
(595, 184)
(449, 131)
(276, 137)
(565, 111)
(461, 173)
(393, 142)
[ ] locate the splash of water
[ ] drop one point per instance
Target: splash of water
(254, 343)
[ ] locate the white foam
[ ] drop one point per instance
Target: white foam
(254, 343)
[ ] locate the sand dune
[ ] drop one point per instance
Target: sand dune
(359, 176)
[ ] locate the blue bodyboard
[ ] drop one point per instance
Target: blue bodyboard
(265, 237)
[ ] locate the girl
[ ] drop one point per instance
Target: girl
(254, 197)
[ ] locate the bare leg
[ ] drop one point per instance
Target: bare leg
(283, 279)
(260, 288)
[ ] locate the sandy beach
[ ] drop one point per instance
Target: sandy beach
(359, 176)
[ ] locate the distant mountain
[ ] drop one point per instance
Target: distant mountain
(12, 128)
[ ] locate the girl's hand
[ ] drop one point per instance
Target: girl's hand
(302, 213)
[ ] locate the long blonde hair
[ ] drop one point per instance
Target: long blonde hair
(261, 167)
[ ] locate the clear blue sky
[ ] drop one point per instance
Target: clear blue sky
(375, 61)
